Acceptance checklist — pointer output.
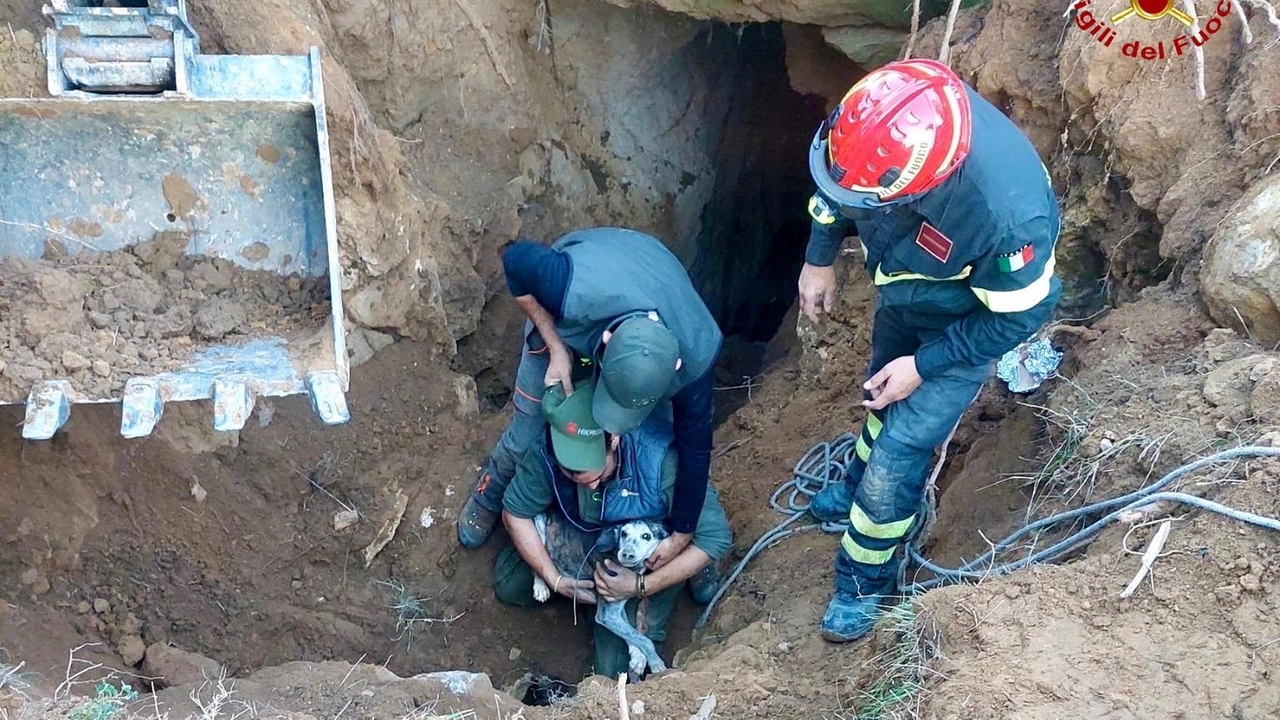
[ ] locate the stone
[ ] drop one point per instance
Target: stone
(101, 368)
(1229, 385)
(1264, 402)
(176, 666)
(468, 396)
(131, 649)
(1240, 277)
(101, 606)
(866, 45)
(74, 361)
(363, 344)
(83, 607)
(344, 519)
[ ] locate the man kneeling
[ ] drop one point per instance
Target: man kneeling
(586, 479)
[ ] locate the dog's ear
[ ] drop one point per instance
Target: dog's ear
(659, 531)
(609, 540)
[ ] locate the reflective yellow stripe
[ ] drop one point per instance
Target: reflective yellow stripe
(864, 450)
(882, 279)
(863, 555)
(1010, 301)
(880, 531)
(874, 425)
(820, 212)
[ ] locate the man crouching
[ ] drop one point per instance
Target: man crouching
(584, 480)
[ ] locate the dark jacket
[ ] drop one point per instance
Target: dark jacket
(974, 257)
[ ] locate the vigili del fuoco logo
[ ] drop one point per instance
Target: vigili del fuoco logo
(1151, 10)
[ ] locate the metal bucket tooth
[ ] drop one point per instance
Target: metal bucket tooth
(48, 409)
(232, 404)
(140, 408)
(327, 398)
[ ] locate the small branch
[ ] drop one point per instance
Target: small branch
(486, 39)
(624, 712)
(915, 28)
(706, 710)
(945, 51)
(1149, 557)
(1190, 7)
(1245, 33)
(727, 448)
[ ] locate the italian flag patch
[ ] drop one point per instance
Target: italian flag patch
(1015, 261)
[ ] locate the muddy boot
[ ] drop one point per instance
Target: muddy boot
(475, 524)
(850, 616)
(705, 583)
(833, 503)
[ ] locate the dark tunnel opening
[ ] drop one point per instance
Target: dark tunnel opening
(755, 225)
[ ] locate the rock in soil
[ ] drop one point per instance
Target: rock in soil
(175, 666)
(98, 319)
(132, 649)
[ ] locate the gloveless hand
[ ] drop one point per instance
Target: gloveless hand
(619, 585)
(894, 382)
(817, 288)
(668, 549)
(580, 590)
(559, 369)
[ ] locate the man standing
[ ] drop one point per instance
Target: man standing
(622, 304)
(584, 480)
(957, 220)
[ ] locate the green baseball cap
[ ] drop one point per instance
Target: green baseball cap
(636, 369)
(576, 438)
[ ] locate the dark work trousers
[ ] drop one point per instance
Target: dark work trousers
(894, 450)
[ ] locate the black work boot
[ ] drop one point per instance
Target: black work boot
(475, 522)
(705, 583)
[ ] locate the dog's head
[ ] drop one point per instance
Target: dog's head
(637, 540)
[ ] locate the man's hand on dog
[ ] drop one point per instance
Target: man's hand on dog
(580, 590)
(667, 550)
(614, 582)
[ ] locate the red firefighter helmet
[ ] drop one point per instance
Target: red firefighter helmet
(898, 133)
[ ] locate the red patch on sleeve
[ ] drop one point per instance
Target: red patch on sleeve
(934, 242)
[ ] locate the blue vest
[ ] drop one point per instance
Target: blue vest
(617, 272)
(634, 492)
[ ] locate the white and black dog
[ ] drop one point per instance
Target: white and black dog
(576, 556)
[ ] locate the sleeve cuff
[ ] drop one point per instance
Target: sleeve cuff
(682, 524)
(930, 362)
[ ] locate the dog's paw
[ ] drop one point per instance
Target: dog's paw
(541, 592)
(637, 664)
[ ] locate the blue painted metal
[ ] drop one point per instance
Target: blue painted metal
(140, 408)
(327, 399)
(143, 134)
(47, 410)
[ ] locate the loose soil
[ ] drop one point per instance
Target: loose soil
(97, 319)
(229, 545)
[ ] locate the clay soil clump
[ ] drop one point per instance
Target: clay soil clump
(97, 319)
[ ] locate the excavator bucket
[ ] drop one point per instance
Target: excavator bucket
(167, 227)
